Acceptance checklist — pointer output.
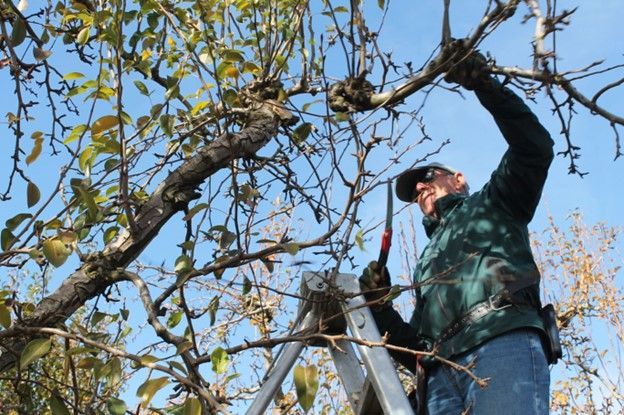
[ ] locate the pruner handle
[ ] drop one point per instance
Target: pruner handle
(386, 241)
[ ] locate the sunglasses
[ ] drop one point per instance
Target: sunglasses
(430, 176)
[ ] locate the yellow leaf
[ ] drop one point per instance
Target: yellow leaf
(55, 251)
(36, 151)
(148, 389)
(105, 123)
(5, 315)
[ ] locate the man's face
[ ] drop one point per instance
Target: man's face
(436, 184)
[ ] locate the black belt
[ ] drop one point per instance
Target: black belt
(498, 301)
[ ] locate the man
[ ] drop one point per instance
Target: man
(477, 284)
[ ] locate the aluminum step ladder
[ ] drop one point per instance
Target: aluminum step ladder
(380, 392)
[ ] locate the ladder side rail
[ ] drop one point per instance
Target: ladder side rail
(380, 369)
(349, 370)
(281, 368)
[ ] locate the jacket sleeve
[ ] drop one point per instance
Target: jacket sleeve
(400, 334)
(516, 184)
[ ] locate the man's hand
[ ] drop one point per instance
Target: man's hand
(467, 71)
(375, 285)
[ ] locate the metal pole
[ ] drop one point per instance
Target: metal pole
(280, 370)
(349, 370)
(379, 367)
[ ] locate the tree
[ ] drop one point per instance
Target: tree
(214, 133)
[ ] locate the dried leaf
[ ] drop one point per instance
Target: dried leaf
(36, 151)
(40, 54)
(32, 194)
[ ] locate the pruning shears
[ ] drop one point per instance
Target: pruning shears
(386, 239)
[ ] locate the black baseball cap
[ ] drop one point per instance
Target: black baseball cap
(406, 182)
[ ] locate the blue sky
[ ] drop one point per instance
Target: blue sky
(410, 31)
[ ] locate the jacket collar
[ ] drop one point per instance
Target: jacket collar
(443, 206)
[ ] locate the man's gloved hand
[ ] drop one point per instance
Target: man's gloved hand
(375, 285)
(467, 71)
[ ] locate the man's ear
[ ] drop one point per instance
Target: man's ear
(459, 181)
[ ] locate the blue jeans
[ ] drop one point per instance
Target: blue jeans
(519, 379)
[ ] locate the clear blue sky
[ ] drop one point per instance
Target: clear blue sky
(410, 31)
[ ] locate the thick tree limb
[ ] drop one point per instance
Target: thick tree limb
(171, 196)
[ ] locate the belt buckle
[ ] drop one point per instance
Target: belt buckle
(493, 307)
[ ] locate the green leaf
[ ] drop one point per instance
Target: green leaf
(125, 313)
(309, 104)
(148, 389)
(32, 194)
(85, 161)
(359, 240)
(33, 351)
(110, 233)
(55, 251)
(233, 55)
(142, 88)
(306, 383)
(19, 32)
(220, 360)
(291, 248)
(192, 406)
(36, 151)
(268, 264)
(7, 239)
(166, 123)
(183, 265)
(213, 307)
(73, 75)
(177, 365)
(103, 124)
(114, 371)
(302, 132)
(342, 116)
(394, 292)
(148, 358)
(83, 35)
(184, 346)
(57, 406)
(381, 4)
(75, 133)
(116, 406)
(40, 54)
(5, 315)
(16, 220)
(174, 319)
(172, 92)
(226, 70)
(188, 245)
(79, 187)
(246, 286)
(97, 317)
